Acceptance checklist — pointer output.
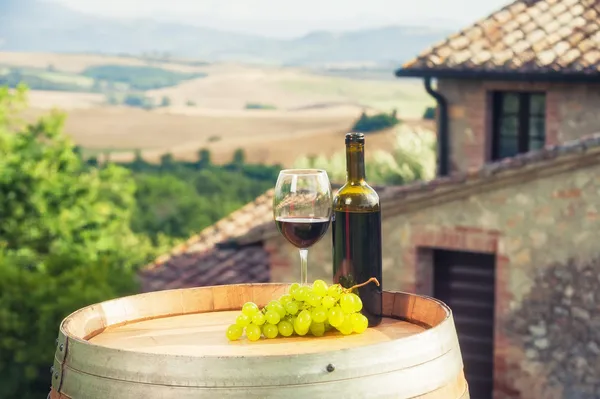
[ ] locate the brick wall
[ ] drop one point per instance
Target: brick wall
(530, 228)
(570, 114)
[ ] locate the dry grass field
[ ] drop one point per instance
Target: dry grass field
(267, 136)
(310, 112)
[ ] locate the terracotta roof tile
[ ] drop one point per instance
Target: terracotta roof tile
(543, 36)
(218, 266)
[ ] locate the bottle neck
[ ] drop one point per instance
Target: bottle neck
(355, 163)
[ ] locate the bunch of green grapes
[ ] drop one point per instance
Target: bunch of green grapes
(304, 310)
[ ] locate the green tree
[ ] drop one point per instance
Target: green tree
(165, 102)
(239, 158)
(429, 113)
(169, 206)
(65, 242)
(167, 162)
(204, 158)
(381, 121)
(139, 163)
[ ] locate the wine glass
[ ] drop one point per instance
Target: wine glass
(302, 209)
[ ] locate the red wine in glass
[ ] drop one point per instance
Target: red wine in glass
(302, 232)
(302, 209)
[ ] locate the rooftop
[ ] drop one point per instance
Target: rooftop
(548, 39)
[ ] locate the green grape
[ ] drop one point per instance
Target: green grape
(272, 317)
(313, 299)
(319, 314)
(359, 322)
(270, 330)
(253, 332)
(258, 319)
(328, 302)
(317, 329)
(243, 320)
(320, 287)
(281, 311)
(285, 299)
(358, 305)
(347, 303)
(304, 318)
(234, 332)
(346, 327)
(292, 307)
(300, 328)
(250, 309)
(315, 308)
(335, 316)
(334, 291)
(285, 328)
(277, 307)
(272, 304)
(300, 294)
(293, 288)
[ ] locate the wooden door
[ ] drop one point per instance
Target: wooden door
(465, 281)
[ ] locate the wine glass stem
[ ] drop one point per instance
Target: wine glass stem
(303, 266)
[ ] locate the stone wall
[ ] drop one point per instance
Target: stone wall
(558, 328)
(571, 112)
(535, 230)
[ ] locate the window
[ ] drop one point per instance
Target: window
(519, 123)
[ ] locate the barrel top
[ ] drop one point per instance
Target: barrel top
(192, 322)
(203, 334)
(167, 340)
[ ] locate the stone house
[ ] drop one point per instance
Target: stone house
(506, 235)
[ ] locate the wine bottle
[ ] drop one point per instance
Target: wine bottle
(356, 231)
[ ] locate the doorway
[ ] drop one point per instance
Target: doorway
(466, 282)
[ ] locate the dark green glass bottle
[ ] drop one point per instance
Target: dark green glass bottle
(356, 231)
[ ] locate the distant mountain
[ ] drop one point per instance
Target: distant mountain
(31, 25)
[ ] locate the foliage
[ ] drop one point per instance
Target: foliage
(178, 199)
(169, 205)
(44, 79)
(429, 113)
(138, 100)
(374, 123)
(259, 106)
(412, 158)
(165, 102)
(139, 77)
(65, 241)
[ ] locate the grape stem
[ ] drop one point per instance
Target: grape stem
(371, 280)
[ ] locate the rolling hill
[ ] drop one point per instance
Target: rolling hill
(42, 26)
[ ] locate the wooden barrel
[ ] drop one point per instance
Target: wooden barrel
(172, 344)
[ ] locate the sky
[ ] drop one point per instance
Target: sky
(285, 18)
